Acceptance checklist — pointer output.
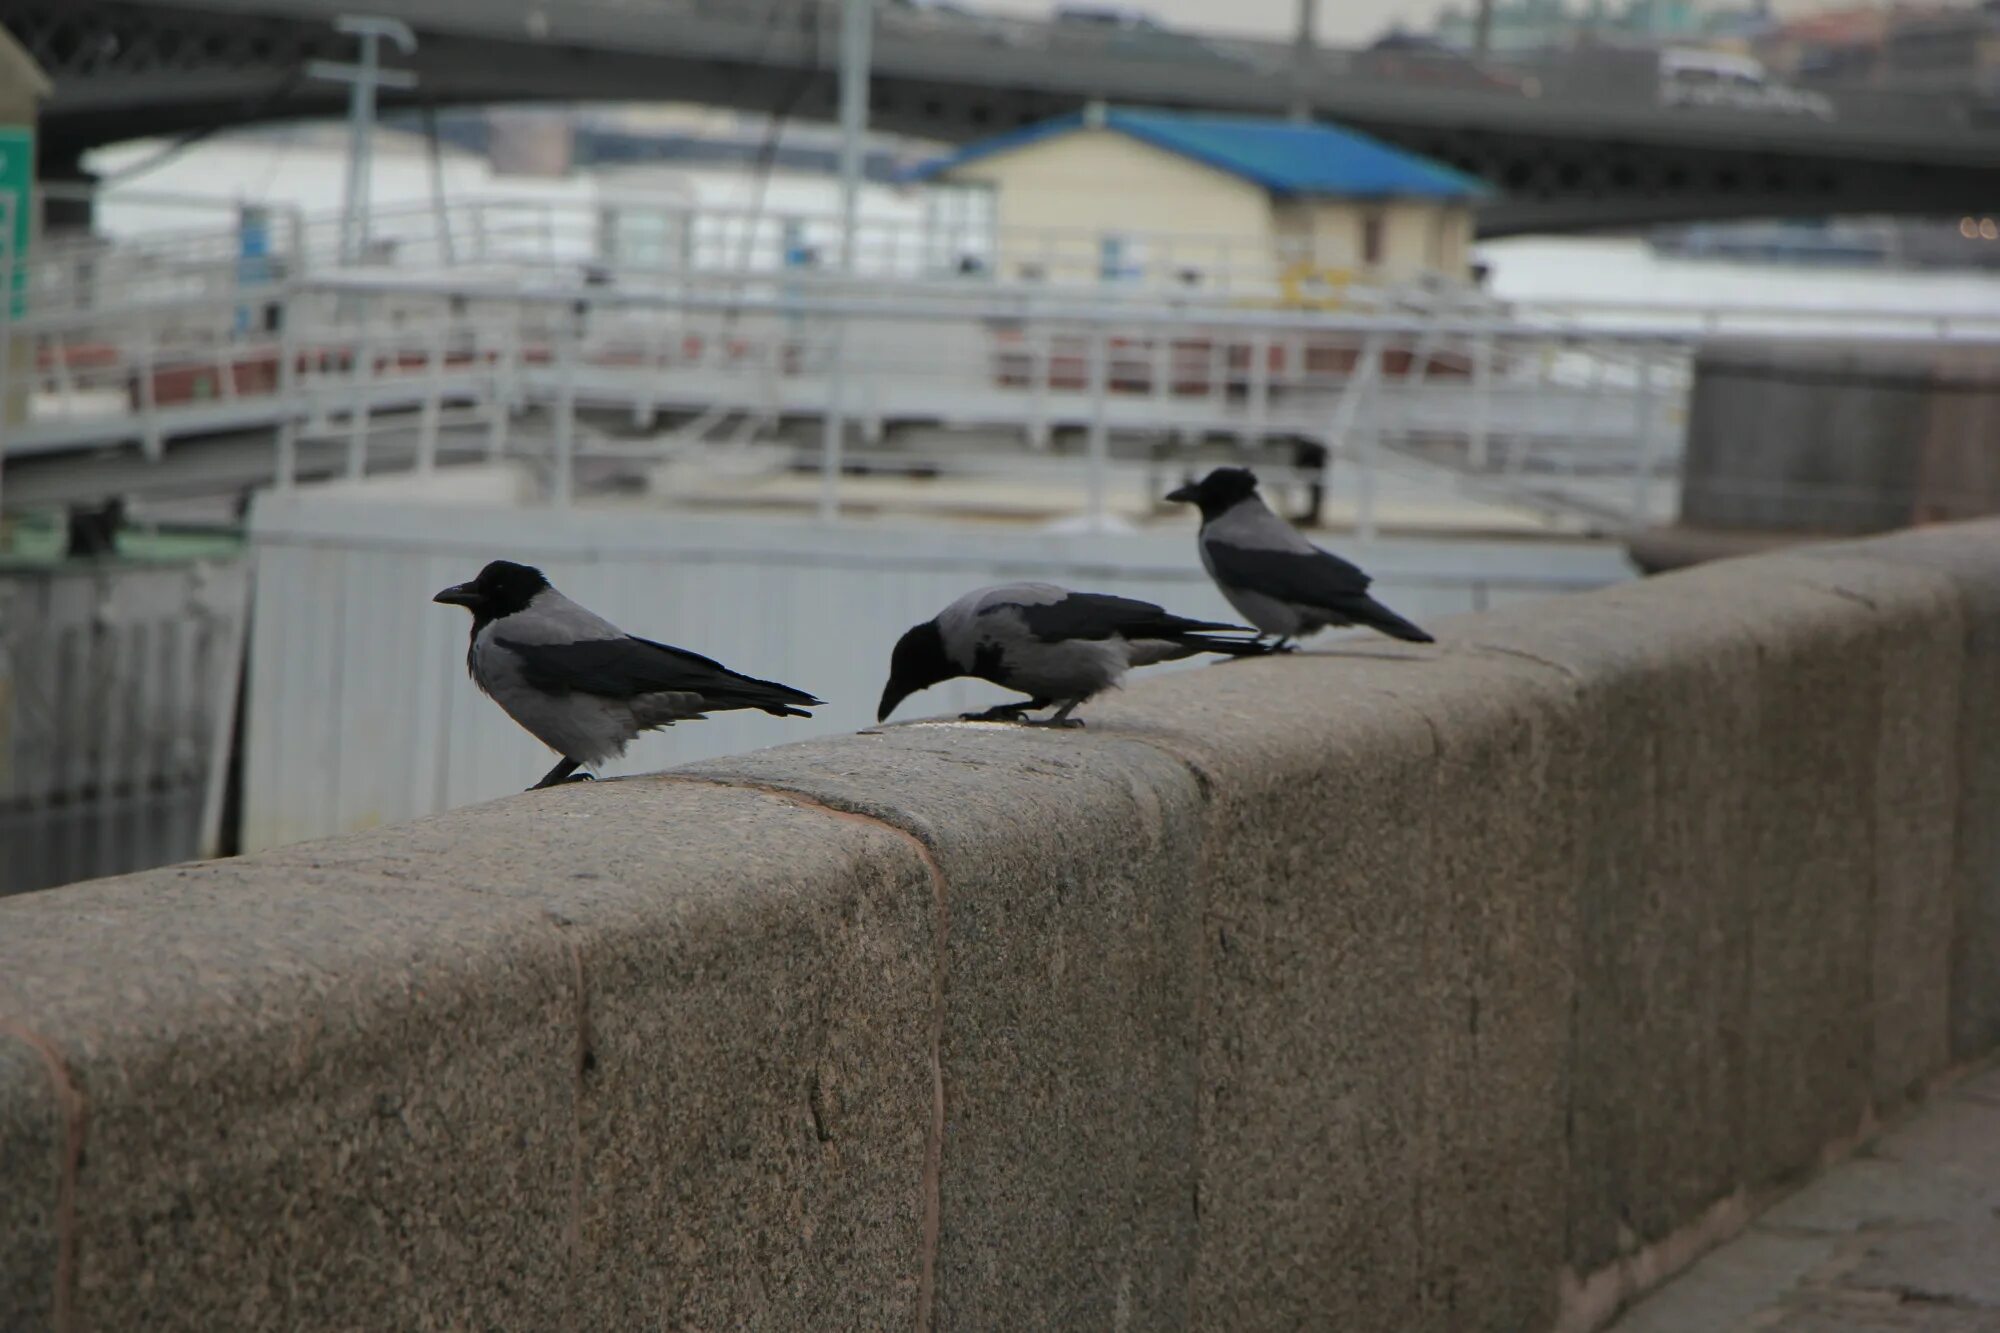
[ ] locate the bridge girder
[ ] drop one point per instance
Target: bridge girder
(123, 69)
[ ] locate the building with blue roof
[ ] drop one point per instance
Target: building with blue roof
(1129, 189)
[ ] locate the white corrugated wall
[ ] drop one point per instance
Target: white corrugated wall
(360, 711)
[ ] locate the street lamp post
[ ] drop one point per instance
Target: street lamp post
(362, 79)
(857, 42)
(1304, 45)
(857, 38)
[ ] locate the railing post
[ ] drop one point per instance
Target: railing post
(1260, 389)
(562, 480)
(225, 371)
(1482, 398)
(833, 421)
(1163, 346)
(361, 382)
(645, 410)
(1218, 375)
(287, 462)
(295, 226)
(1040, 364)
(1100, 428)
(1642, 477)
(1367, 458)
(151, 442)
(505, 372)
(65, 377)
(433, 408)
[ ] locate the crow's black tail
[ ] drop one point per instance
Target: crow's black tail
(768, 695)
(1365, 610)
(1210, 643)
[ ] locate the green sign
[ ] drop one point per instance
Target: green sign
(17, 186)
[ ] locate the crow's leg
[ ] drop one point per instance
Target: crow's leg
(560, 774)
(1284, 645)
(1004, 712)
(1061, 717)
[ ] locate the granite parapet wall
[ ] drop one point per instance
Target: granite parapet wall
(1467, 987)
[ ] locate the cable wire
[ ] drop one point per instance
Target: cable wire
(255, 110)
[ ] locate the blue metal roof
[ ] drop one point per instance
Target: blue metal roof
(1283, 156)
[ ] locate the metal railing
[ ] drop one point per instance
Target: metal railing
(559, 374)
(1569, 408)
(672, 246)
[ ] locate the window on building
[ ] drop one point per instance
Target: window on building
(960, 223)
(1371, 236)
(1120, 258)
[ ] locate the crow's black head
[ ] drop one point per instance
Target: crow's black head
(501, 589)
(917, 663)
(1218, 491)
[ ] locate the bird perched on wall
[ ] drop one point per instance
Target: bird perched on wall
(582, 686)
(1056, 646)
(1279, 581)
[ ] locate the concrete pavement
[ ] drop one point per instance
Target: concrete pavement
(1903, 1237)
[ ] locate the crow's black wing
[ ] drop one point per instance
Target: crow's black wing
(1318, 579)
(628, 667)
(1096, 615)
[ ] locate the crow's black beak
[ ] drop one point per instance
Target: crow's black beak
(458, 594)
(1185, 495)
(891, 696)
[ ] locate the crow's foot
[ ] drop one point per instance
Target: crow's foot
(1002, 713)
(560, 774)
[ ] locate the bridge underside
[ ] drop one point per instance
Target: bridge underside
(129, 70)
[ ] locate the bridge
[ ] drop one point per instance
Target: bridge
(1569, 147)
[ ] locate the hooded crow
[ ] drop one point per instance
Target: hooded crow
(1282, 583)
(1051, 644)
(582, 686)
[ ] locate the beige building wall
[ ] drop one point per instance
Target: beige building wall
(1093, 183)
(1415, 236)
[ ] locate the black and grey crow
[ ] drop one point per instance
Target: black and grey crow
(1282, 583)
(1051, 644)
(582, 686)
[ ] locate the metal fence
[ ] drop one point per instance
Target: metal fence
(648, 240)
(636, 242)
(1572, 410)
(559, 374)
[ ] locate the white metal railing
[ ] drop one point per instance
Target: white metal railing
(635, 238)
(1540, 406)
(379, 362)
(674, 247)
(235, 247)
